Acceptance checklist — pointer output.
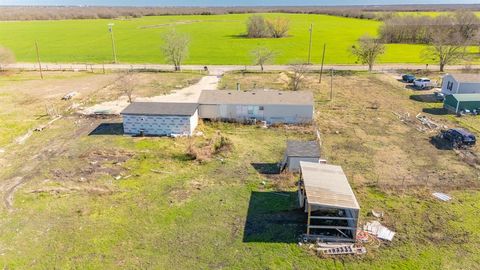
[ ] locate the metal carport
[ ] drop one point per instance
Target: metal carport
(329, 201)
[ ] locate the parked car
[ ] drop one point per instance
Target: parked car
(422, 83)
(439, 96)
(459, 137)
(408, 78)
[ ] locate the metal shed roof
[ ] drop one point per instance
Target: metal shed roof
(327, 185)
(259, 97)
(466, 77)
(160, 108)
(303, 149)
(467, 97)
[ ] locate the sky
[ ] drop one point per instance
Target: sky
(229, 2)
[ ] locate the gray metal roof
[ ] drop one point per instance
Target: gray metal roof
(466, 77)
(327, 185)
(160, 108)
(303, 149)
(258, 97)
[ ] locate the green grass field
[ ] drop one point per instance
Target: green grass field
(169, 212)
(214, 40)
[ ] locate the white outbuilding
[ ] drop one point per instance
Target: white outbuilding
(297, 151)
(160, 118)
(461, 83)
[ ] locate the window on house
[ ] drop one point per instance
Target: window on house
(450, 86)
(250, 110)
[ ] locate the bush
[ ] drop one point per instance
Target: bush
(259, 27)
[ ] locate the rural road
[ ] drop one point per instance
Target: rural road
(214, 69)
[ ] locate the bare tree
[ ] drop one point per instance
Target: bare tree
(256, 27)
(297, 75)
(368, 50)
(262, 56)
(126, 84)
(278, 27)
(6, 57)
(175, 47)
(447, 45)
(468, 24)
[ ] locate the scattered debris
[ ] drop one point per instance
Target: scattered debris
(42, 127)
(377, 229)
(23, 138)
(69, 95)
(377, 214)
(404, 117)
(427, 122)
(57, 190)
(362, 236)
(441, 196)
(158, 171)
(343, 250)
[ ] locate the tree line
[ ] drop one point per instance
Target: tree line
(19, 13)
(423, 29)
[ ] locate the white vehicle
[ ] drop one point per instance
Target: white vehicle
(423, 83)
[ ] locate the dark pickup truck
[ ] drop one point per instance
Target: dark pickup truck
(459, 137)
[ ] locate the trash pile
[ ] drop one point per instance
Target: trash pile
(423, 123)
(371, 235)
(375, 228)
(427, 123)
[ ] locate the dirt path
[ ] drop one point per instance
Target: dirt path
(189, 94)
(27, 171)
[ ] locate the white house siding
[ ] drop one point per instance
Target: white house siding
(270, 113)
(209, 111)
(290, 114)
(159, 124)
(452, 86)
(193, 122)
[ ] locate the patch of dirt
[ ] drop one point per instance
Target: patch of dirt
(86, 189)
(181, 195)
(95, 163)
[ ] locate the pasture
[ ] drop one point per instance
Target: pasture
(216, 39)
(168, 211)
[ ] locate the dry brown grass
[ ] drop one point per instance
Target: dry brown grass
(203, 150)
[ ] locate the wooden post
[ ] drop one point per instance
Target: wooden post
(323, 59)
(308, 220)
(310, 44)
(103, 67)
(38, 60)
(331, 84)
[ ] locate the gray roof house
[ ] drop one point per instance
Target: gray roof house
(289, 107)
(300, 151)
(160, 118)
(461, 83)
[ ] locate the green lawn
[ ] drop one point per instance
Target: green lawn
(214, 39)
(169, 212)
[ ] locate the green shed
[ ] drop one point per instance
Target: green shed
(458, 102)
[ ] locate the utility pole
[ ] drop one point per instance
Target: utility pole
(110, 29)
(38, 60)
(310, 44)
(331, 84)
(323, 60)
